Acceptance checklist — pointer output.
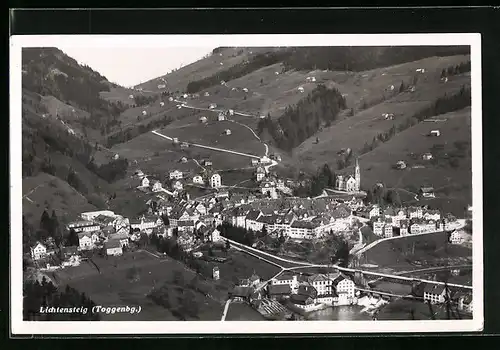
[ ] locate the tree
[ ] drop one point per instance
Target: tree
(46, 222)
(402, 87)
(165, 219)
(56, 228)
(72, 239)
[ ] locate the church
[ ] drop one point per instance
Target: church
(349, 183)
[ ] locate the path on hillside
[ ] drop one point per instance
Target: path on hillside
(194, 160)
(267, 167)
(184, 105)
(226, 308)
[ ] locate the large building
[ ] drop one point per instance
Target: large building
(350, 183)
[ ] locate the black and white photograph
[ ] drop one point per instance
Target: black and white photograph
(203, 183)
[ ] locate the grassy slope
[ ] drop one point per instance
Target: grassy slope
(205, 67)
(53, 193)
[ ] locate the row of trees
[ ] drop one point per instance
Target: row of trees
(362, 58)
(457, 69)
(142, 100)
(252, 64)
(323, 178)
(49, 227)
(303, 120)
(45, 294)
(240, 234)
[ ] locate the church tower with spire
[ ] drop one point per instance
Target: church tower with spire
(357, 176)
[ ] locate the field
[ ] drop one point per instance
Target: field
(121, 94)
(118, 285)
(397, 254)
(46, 191)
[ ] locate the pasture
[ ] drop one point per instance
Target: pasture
(129, 279)
(46, 191)
(428, 250)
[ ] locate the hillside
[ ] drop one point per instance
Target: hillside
(307, 104)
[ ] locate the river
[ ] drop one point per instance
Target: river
(339, 313)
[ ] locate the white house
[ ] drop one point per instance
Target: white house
(212, 106)
(215, 181)
(38, 251)
(300, 88)
(378, 227)
(345, 289)
(144, 112)
(231, 112)
(435, 133)
(221, 117)
(434, 293)
(162, 103)
(245, 89)
(198, 180)
(157, 187)
(254, 162)
(176, 174)
(113, 247)
(203, 119)
(145, 182)
(161, 86)
(206, 94)
(85, 241)
(260, 173)
(374, 211)
(227, 132)
(457, 237)
(177, 185)
(427, 156)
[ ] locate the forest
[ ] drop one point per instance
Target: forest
(45, 294)
(363, 58)
(320, 107)
(256, 62)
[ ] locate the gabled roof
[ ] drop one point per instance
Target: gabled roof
(112, 243)
(278, 289)
(435, 289)
(240, 291)
(253, 215)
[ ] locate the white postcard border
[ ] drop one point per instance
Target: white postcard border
(20, 327)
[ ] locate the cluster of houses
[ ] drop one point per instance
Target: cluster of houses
(389, 221)
(439, 294)
(299, 292)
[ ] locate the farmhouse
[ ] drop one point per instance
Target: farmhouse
(435, 133)
(260, 173)
(39, 251)
(144, 112)
(184, 145)
(215, 181)
(145, 182)
(162, 104)
(245, 89)
(427, 156)
(401, 165)
(176, 174)
(231, 112)
(177, 185)
(300, 88)
(206, 94)
(184, 160)
(113, 247)
(212, 106)
(87, 240)
(427, 192)
(434, 294)
(157, 187)
(198, 180)
(207, 163)
(203, 119)
(227, 132)
(254, 162)
(221, 117)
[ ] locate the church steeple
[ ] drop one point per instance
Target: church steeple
(357, 175)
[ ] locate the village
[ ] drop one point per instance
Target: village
(270, 215)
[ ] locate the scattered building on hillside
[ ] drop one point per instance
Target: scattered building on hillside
(87, 240)
(221, 116)
(245, 89)
(427, 156)
(300, 88)
(184, 145)
(203, 119)
(435, 133)
(162, 103)
(176, 174)
(145, 182)
(212, 106)
(254, 162)
(170, 98)
(215, 181)
(144, 113)
(184, 160)
(177, 185)
(401, 165)
(260, 173)
(427, 192)
(227, 132)
(39, 251)
(206, 94)
(231, 112)
(197, 179)
(207, 163)
(157, 187)
(420, 70)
